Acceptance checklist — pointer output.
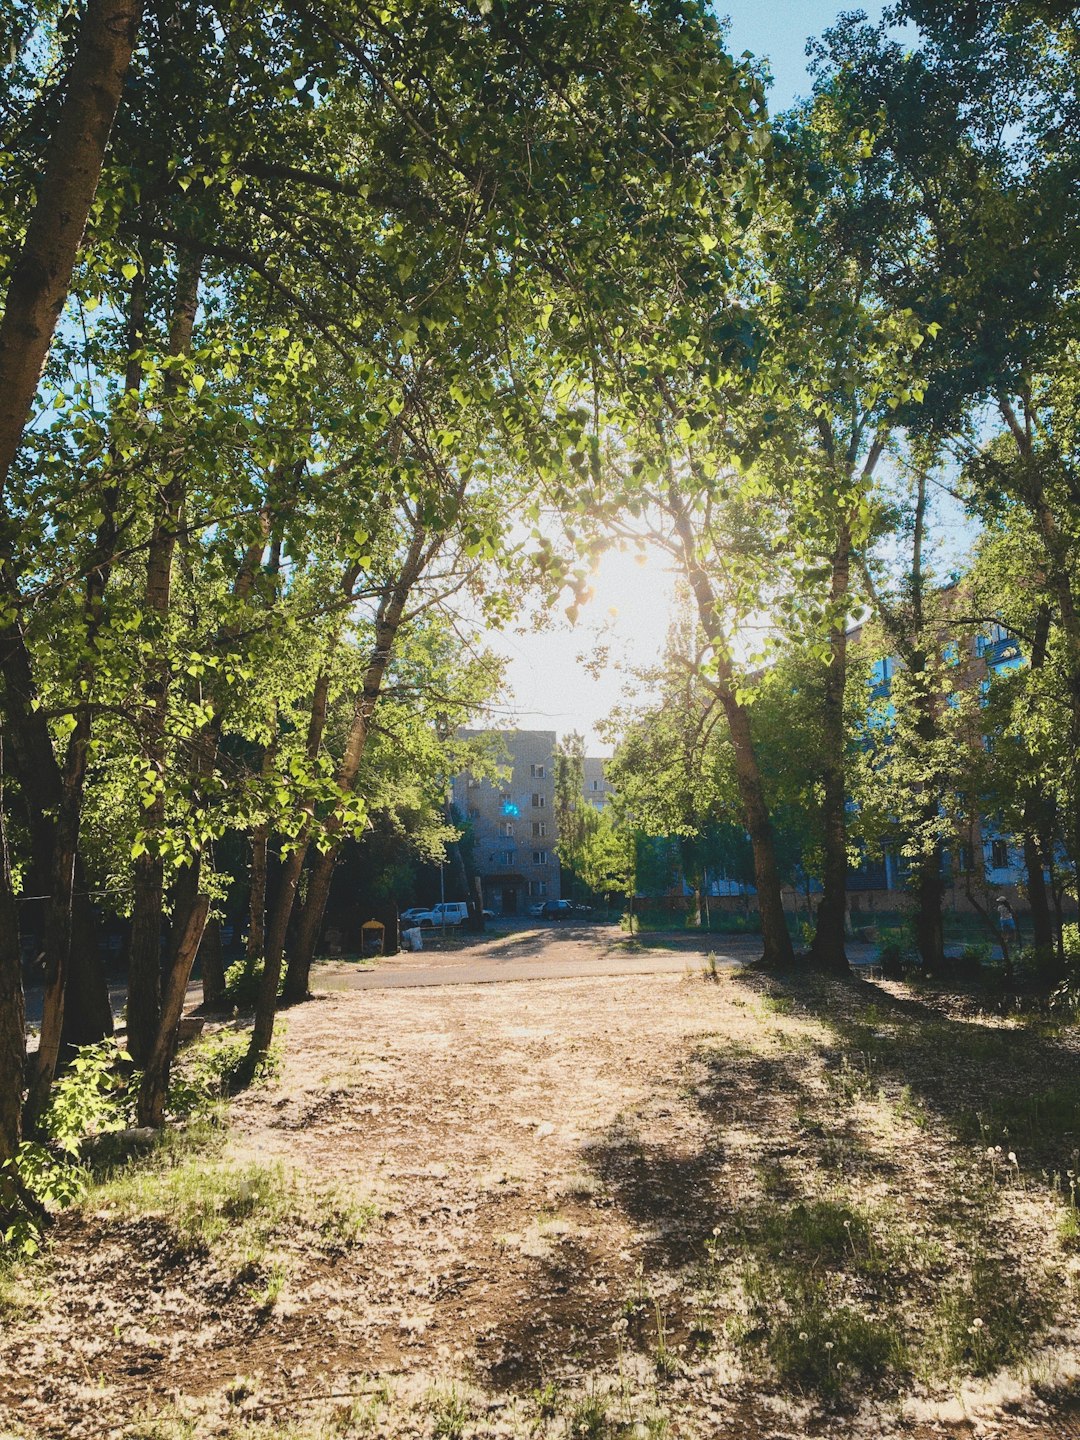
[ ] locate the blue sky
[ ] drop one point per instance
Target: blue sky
(779, 29)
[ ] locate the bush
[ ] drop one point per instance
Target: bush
(93, 1096)
(969, 963)
(1066, 998)
(242, 983)
(205, 1072)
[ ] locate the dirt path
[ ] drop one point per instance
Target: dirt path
(564, 1179)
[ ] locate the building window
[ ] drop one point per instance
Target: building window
(474, 783)
(537, 772)
(508, 830)
(596, 784)
(539, 802)
(538, 888)
(999, 854)
(474, 812)
(539, 857)
(539, 829)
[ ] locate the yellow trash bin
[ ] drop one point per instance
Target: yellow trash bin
(372, 938)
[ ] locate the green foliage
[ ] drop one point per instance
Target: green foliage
(204, 1073)
(242, 981)
(241, 1212)
(450, 1414)
(587, 1418)
(31, 1183)
(94, 1094)
(981, 1323)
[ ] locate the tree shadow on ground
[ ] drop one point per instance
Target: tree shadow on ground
(1014, 1086)
(778, 1215)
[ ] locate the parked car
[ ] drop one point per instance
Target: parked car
(536, 910)
(415, 915)
(557, 910)
(447, 912)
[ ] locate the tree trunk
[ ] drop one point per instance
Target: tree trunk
(57, 950)
(929, 927)
(929, 886)
(256, 940)
(35, 298)
(1057, 895)
(213, 966)
(387, 622)
(310, 923)
(88, 1015)
(144, 959)
(1061, 574)
(778, 952)
(827, 950)
(476, 910)
(1041, 923)
(12, 1011)
(41, 276)
(189, 920)
(262, 1032)
(292, 867)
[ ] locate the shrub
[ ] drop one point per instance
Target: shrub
(93, 1096)
(969, 964)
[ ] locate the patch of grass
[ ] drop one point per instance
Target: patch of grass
(778, 1004)
(17, 1301)
(667, 1362)
(1042, 1120)
(545, 1399)
(812, 1342)
(818, 1233)
(238, 1211)
(981, 1321)
(907, 1107)
(1068, 1232)
(204, 1072)
(167, 1424)
(450, 1412)
(267, 1295)
(854, 1077)
(587, 1418)
(205, 1203)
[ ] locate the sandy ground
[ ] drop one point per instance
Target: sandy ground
(547, 1163)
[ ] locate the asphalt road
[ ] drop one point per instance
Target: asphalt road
(539, 952)
(551, 952)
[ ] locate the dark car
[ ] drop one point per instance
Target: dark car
(557, 910)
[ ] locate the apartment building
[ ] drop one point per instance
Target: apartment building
(595, 784)
(513, 822)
